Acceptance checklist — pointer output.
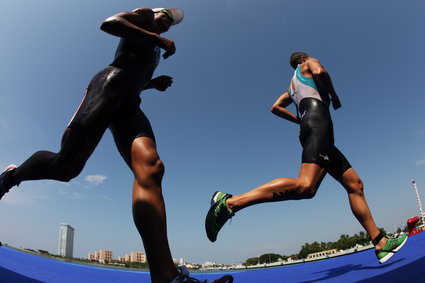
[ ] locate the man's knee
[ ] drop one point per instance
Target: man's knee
(151, 168)
(355, 186)
(148, 168)
(157, 169)
(307, 189)
(66, 173)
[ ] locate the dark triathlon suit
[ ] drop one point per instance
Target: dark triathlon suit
(112, 98)
(316, 129)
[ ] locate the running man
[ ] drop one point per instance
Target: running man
(112, 101)
(312, 91)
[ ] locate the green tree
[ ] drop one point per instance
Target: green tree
(309, 248)
(251, 261)
(269, 258)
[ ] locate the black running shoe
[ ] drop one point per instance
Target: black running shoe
(3, 188)
(184, 278)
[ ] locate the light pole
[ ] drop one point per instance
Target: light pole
(419, 202)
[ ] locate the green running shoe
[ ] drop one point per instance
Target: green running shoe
(217, 215)
(391, 247)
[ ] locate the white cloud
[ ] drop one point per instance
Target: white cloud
(20, 197)
(95, 179)
(421, 162)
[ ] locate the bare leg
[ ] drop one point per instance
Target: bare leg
(149, 209)
(305, 186)
(354, 187)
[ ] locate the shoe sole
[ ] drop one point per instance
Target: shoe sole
(224, 279)
(390, 254)
(210, 211)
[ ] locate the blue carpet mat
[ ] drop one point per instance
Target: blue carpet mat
(408, 265)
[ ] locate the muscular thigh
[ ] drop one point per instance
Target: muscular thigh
(338, 163)
(317, 142)
(319, 148)
(128, 125)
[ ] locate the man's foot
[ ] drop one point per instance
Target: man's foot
(217, 215)
(391, 247)
(184, 278)
(4, 187)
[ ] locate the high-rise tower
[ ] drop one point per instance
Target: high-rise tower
(66, 240)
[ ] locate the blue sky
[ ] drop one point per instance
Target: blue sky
(213, 126)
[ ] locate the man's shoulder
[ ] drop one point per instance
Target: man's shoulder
(142, 17)
(143, 11)
(314, 60)
(314, 64)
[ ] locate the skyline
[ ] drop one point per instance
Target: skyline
(213, 126)
(89, 254)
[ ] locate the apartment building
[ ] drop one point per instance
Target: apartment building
(101, 256)
(66, 240)
(133, 257)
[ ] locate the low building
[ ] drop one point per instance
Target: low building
(138, 257)
(105, 255)
(322, 254)
(133, 257)
(91, 256)
(102, 256)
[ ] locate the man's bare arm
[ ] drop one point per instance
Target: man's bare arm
(279, 108)
(131, 25)
(322, 77)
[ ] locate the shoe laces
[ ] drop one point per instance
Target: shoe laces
(393, 243)
(390, 245)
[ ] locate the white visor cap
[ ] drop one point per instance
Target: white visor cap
(176, 13)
